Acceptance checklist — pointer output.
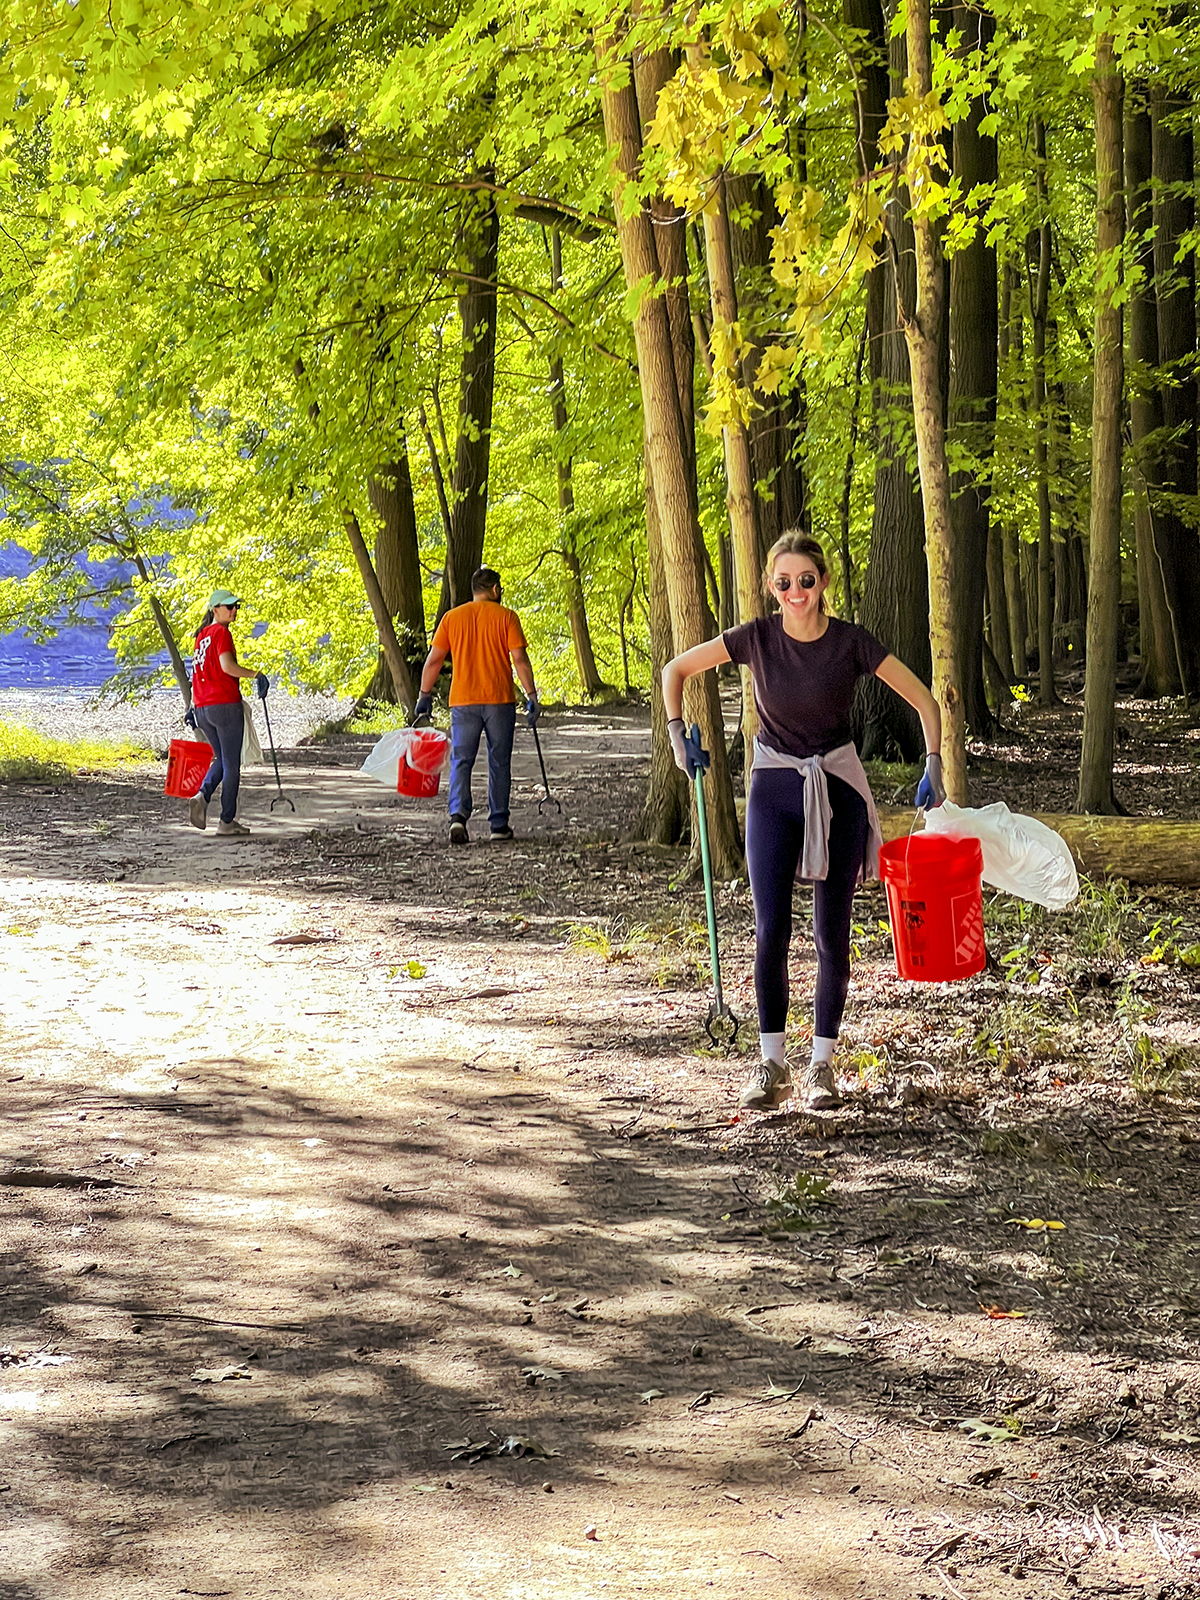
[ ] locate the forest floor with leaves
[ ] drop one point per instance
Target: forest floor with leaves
(378, 1222)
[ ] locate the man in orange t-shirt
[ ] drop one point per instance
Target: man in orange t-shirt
(486, 645)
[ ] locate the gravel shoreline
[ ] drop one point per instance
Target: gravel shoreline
(157, 719)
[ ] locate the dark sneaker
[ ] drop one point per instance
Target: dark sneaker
(501, 835)
(458, 832)
(232, 830)
(767, 1085)
(815, 1091)
(198, 812)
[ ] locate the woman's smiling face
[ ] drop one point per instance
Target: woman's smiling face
(798, 585)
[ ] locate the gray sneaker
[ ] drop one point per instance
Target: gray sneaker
(198, 812)
(232, 830)
(815, 1091)
(767, 1085)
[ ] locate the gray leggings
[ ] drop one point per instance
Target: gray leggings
(224, 727)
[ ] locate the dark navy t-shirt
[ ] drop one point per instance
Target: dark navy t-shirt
(803, 688)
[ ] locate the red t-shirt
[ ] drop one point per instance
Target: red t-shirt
(211, 684)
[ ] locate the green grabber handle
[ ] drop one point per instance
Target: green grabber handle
(718, 1008)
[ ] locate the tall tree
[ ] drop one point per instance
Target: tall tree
(473, 441)
(973, 377)
(666, 446)
(1175, 280)
(922, 324)
(1104, 585)
(590, 680)
(1162, 667)
(894, 602)
(1039, 295)
(398, 567)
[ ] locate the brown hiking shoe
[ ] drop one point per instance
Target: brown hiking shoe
(767, 1085)
(815, 1091)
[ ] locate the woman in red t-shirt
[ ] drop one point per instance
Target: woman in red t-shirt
(217, 699)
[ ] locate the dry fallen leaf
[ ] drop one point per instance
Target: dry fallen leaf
(998, 1312)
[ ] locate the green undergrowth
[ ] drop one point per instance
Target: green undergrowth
(27, 756)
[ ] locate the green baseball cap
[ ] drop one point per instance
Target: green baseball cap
(222, 597)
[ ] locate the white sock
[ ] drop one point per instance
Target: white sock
(822, 1050)
(771, 1045)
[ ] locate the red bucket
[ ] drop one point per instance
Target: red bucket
(936, 905)
(419, 774)
(187, 762)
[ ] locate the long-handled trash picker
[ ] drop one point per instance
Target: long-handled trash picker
(261, 686)
(545, 782)
(719, 1010)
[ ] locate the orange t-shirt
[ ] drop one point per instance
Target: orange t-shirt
(479, 637)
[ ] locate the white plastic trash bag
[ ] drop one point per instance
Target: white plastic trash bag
(251, 749)
(1020, 854)
(424, 749)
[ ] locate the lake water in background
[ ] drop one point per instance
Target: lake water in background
(77, 659)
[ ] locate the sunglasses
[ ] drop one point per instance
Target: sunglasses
(806, 580)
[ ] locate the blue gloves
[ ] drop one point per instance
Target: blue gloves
(931, 791)
(424, 705)
(690, 755)
(532, 711)
(261, 684)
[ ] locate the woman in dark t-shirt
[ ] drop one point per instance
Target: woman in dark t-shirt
(809, 813)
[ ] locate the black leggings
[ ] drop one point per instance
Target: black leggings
(774, 841)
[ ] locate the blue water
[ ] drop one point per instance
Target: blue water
(77, 658)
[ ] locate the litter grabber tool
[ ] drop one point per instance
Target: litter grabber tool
(547, 798)
(261, 684)
(719, 1012)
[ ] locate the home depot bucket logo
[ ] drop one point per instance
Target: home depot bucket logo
(966, 919)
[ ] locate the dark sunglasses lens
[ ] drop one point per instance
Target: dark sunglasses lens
(782, 584)
(808, 580)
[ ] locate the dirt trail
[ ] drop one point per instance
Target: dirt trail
(419, 1214)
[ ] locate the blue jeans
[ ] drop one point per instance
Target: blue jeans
(467, 723)
(224, 727)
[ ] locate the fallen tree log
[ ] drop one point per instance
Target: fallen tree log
(1144, 850)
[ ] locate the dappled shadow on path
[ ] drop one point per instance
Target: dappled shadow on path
(471, 1257)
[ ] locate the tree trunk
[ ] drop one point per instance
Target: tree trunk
(1039, 308)
(667, 453)
(665, 810)
(777, 427)
(167, 633)
(398, 567)
(1012, 338)
(397, 665)
(894, 603)
(848, 477)
(922, 326)
(590, 680)
(1104, 586)
(1175, 281)
(997, 601)
(670, 244)
(973, 376)
(477, 379)
(739, 474)
(1157, 647)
